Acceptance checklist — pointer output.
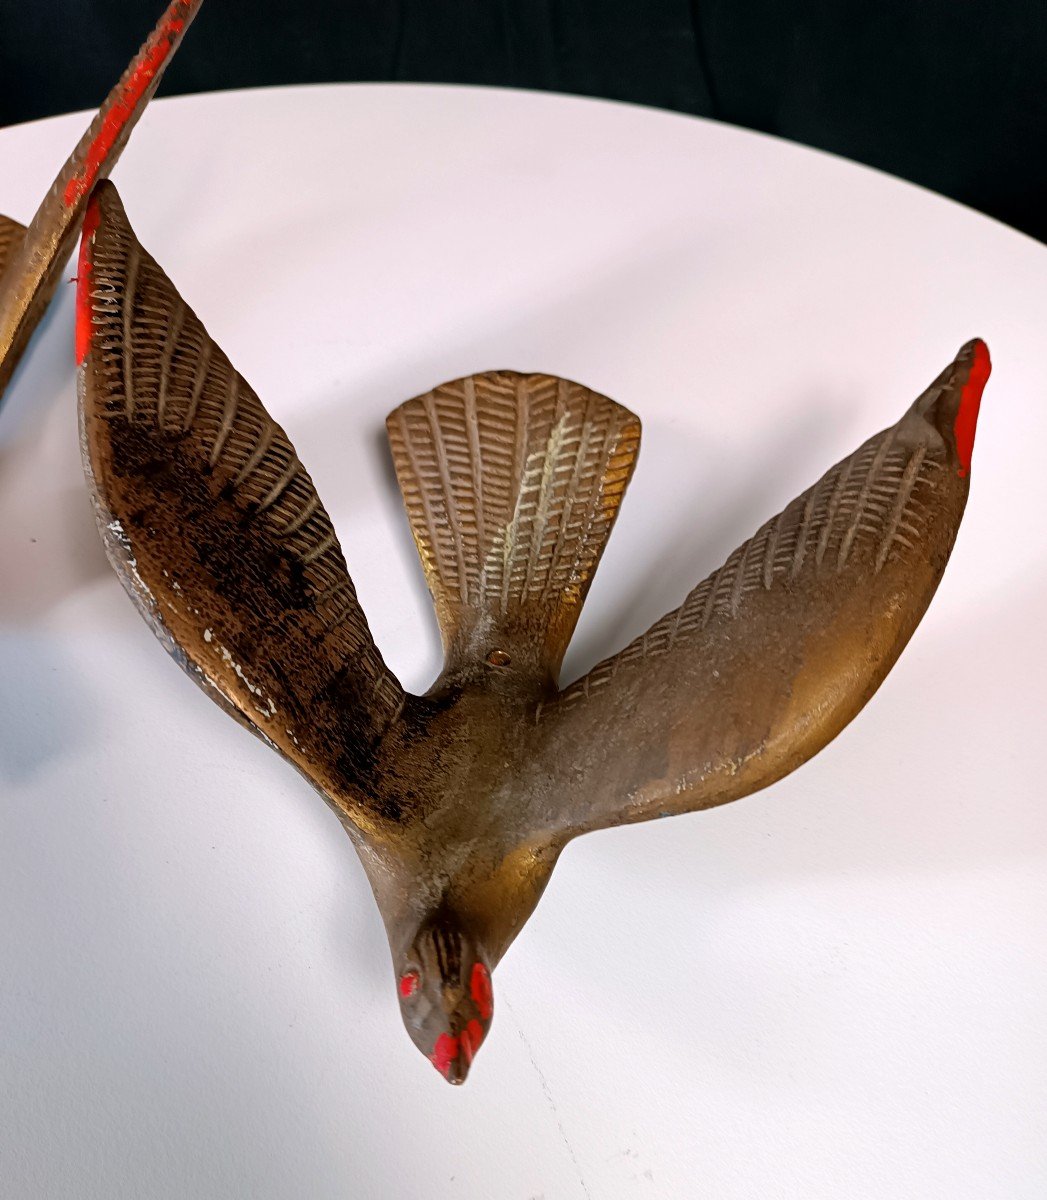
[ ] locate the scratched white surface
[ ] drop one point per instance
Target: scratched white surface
(834, 989)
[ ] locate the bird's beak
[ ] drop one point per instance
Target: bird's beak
(453, 1055)
(457, 1071)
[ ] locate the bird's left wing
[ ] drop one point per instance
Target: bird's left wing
(769, 658)
(214, 526)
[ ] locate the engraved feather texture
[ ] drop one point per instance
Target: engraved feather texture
(35, 261)
(512, 484)
(870, 507)
(11, 234)
(216, 523)
(773, 654)
(460, 801)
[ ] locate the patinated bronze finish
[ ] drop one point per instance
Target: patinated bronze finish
(460, 801)
(31, 259)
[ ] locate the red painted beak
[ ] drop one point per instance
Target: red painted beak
(453, 1056)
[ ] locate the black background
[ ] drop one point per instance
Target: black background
(951, 94)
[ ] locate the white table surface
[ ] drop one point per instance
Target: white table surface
(836, 988)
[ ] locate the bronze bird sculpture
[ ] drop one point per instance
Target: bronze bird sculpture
(31, 259)
(460, 801)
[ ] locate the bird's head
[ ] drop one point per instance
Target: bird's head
(444, 989)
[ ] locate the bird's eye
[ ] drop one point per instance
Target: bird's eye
(408, 984)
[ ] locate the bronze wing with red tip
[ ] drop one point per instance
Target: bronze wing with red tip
(35, 256)
(772, 655)
(214, 526)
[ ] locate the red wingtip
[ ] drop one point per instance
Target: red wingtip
(84, 288)
(123, 106)
(970, 402)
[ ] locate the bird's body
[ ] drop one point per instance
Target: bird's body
(449, 779)
(460, 801)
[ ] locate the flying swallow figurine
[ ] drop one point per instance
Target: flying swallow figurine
(460, 801)
(31, 259)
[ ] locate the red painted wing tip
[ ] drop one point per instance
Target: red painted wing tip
(979, 352)
(125, 104)
(84, 284)
(978, 371)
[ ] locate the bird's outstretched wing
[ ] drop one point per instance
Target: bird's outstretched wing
(772, 655)
(35, 256)
(213, 524)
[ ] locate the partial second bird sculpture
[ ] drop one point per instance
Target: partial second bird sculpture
(460, 801)
(32, 257)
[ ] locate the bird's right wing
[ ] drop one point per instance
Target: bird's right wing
(769, 658)
(35, 256)
(214, 526)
